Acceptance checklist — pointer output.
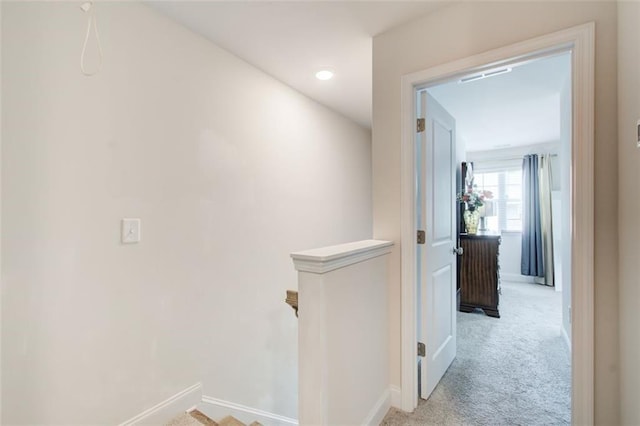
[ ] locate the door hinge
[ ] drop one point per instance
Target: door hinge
(422, 349)
(420, 125)
(422, 238)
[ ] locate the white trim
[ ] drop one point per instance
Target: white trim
(396, 396)
(163, 412)
(322, 260)
(565, 336)
(408, 252)
(583, 229)
(217, 409)
(581, 41)
(379, 410)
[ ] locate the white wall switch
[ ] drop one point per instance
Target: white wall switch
(131, 230)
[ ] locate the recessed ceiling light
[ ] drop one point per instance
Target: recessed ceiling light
(324, 75)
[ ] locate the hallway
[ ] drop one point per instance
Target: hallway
(509, 371)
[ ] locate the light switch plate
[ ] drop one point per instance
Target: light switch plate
(131, 230)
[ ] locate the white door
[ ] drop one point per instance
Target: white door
(437, 213)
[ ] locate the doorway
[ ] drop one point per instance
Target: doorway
(578, 41)
(509, 336)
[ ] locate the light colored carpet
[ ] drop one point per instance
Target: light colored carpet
(514, 370)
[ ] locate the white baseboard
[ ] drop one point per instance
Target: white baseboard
(396, 396)
(516, 278)
(163, 412)
(218, 409)
(567, 340)
(379, 410)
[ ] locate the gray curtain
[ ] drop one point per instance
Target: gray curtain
(532, 252)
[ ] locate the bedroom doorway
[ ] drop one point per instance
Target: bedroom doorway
(579, 42)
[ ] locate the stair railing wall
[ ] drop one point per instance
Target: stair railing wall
(343, 333)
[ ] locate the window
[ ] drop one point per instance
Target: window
(506, 186)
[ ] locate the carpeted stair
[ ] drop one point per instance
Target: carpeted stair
(197, 418)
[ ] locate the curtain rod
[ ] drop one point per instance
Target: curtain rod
(507, 158)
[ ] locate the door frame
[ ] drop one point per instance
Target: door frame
(579, 40)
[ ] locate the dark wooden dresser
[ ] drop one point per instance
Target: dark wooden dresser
(480, 273)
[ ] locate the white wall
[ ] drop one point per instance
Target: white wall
(469, 28)
(628, 207)
(228, 169)
(556, 217)
(343, 334)
(511, 257)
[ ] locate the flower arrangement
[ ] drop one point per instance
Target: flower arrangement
(474, 198)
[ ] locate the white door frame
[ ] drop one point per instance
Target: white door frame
(580, 40)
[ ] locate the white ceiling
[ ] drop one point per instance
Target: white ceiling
(293, 40)
(514, 109)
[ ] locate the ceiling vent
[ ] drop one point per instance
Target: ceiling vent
(484, 75)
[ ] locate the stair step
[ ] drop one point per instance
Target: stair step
(230, 421)
(198, 418)
(184, 419)
(202, 418)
